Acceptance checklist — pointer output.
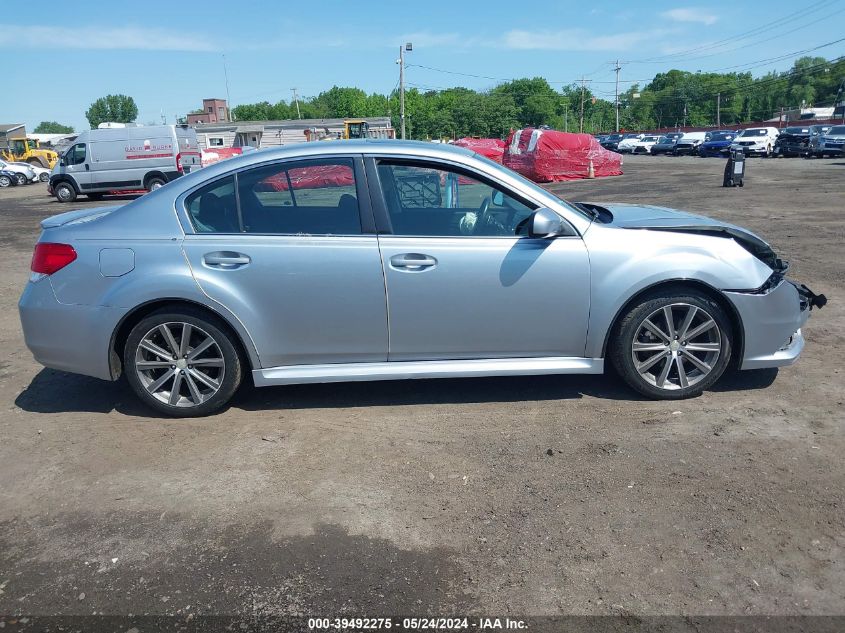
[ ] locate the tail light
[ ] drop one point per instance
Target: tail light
(50, 257)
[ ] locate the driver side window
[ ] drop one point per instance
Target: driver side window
(439, 201)
(76, 154)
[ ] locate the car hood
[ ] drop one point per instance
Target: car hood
(654, 218)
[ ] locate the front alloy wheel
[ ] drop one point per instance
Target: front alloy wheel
(182, 364)
(673, 347)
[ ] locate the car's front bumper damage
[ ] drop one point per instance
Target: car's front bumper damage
(772, 318)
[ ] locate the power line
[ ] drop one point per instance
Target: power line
(763, 28)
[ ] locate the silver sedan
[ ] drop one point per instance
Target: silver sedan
(376, 260)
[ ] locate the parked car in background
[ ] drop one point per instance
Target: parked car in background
(41, 173)
(124, 158)
(832, 142)
(237, 271)
(758, 141)
(793, 141)
(718, 143)
(644, 145)
(8, 178)
(24, 173)
(816, 133)
(665, 144)
(626, 145)
(611, 141)
(688, 143)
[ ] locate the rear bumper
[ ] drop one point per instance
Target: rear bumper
(73, 338)
(772, 325)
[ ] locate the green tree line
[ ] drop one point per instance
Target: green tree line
(670, 99)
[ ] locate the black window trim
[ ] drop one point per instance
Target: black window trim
(382, 216)
(362, 192)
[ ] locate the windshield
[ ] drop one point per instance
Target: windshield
(797, 130)
(649, 139)
(757, 132)
(722, 136)
(534, 186)
(837, 129)
(614, 137)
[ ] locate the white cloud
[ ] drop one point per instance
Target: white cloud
(102, 37)
(574, 40)
(690, 14)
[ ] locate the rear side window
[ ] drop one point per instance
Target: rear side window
(213, 208)
(300, 198)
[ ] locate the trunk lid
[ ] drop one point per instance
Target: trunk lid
(77, 217)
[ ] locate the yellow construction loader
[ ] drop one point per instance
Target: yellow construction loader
(29, 151)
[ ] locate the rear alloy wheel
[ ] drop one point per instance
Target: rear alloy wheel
(64, 192)
(182, 364)
(5, 181)
(21, 179)
(673, 347)
(44, 176)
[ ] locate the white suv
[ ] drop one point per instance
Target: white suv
(756, 140)
(24, 174)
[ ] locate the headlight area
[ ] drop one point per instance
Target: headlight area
(807, 298)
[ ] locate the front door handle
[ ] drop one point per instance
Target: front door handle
(225, 260)
(412, 262)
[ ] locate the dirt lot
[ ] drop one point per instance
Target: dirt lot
(524, 496)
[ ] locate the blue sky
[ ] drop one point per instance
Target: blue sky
(169, 55)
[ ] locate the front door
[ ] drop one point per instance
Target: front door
(283, 248)
(464, 281)
(78, 164)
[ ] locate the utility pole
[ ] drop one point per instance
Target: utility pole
(566, 117)
(718, 110)
(617, 68)
(296, 100)
(228, 98)
(407, 47)
(581, 118)
(402, 90)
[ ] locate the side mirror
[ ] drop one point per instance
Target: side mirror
(62, 162)
(544, 223)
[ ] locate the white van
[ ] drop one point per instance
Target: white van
(123, 159)
(756, 140)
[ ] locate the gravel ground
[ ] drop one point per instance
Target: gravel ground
(526, 496)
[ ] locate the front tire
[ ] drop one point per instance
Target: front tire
(44, 177)
(182, 363)
(5, 181)
(672, 345)
(21, 179)
(64, 192)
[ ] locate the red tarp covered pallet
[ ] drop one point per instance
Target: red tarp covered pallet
(492, 148)
(550, 156)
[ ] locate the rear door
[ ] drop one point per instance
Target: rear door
(290, 248)
(463, 279)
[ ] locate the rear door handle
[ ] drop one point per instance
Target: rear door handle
(225, 260)
(412, 262)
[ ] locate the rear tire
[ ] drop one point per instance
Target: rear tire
(158, 363)
(677, 359)
(5, 181)
(44, 177)
(64, 192)
(156, 182)
(22, 180)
